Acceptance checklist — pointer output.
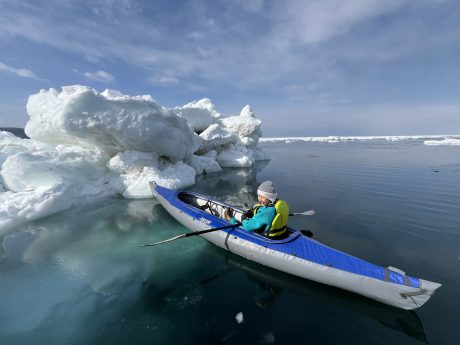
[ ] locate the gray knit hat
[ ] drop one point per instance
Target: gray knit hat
(268, 190)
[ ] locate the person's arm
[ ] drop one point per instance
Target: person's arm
(260, 220)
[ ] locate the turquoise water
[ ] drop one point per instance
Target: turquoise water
(79, 278)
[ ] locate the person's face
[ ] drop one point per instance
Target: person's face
(263, 200)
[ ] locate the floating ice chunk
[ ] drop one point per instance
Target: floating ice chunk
(204, 164)
(247, 111)
(211, 154)
(174, 176)
(10, 145)
(115, 95)
(245, 125)
(248, 142)
(132, 161)
(31, 170)
(8, 137)
(136, 184)
(199, 114)
(110, 121)
(215, 135)
(239, 317)
(18, 208)
(76, 130)
(232, 158)
(242, 150)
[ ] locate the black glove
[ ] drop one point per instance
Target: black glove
(248, 214)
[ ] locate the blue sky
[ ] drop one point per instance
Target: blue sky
(307, 67)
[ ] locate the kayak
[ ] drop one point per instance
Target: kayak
(296, 253)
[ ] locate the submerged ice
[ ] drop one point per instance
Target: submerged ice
(85, 146)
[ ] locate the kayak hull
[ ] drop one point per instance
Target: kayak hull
(403, 292)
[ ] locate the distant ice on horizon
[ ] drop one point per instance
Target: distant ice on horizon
(86, 146)
(442, 139)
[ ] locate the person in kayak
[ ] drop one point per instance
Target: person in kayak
(268, 217)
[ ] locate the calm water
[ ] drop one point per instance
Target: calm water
(79, 278)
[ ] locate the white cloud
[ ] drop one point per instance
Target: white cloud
(317, 21)
(264, 43)
(236, 48)
(111, 7)
(100, 76)
(20, 72)
(164, 80)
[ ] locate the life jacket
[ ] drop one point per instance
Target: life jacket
(279, 223)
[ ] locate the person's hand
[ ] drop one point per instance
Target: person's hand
(248, 214)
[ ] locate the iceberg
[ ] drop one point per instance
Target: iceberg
(108, 121)
(199, 114)
(86, 146)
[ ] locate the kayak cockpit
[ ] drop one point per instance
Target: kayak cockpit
(212, 207)
(218, 209)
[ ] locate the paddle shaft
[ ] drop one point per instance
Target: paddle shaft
(197, 233)
(188, 234)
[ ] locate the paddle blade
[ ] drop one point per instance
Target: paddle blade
(161, 242)
(306, 213)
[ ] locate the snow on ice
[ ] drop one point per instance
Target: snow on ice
(86, 146)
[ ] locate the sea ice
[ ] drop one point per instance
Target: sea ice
(442, 142)
(444, 139)
(81, 116)
(231, 157)
(86, 146)
(199, 114)
(25, 171)
(239, 317)
(216, 135)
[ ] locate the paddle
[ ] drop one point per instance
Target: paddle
(196, 233)
(306, 213)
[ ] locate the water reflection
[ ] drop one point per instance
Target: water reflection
(268, 286)
(273, 282)
(96, 244)
(69, 275)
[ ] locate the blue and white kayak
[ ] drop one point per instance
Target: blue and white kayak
(296, 254)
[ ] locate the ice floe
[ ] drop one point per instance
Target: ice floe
(87, 145)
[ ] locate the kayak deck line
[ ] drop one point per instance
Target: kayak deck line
(296, 254)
